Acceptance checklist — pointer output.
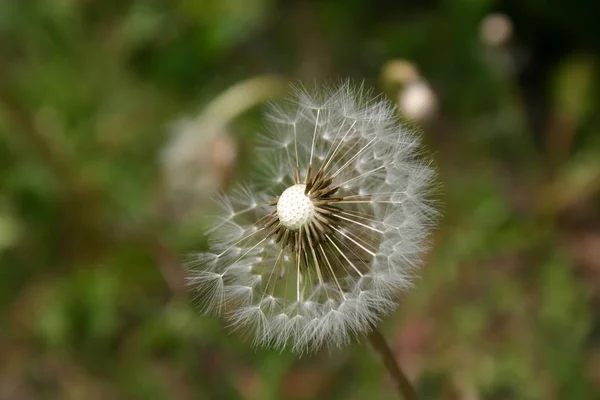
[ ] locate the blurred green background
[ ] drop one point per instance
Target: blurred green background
(120, 119)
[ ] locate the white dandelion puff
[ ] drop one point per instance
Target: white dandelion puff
(318, 248)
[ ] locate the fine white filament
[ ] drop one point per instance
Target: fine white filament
(304, 287)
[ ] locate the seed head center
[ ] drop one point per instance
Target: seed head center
(294, 208)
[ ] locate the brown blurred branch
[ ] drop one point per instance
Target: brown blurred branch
(85, 215)
(54, 157)
(79, 193)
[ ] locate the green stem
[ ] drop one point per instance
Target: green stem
(403, 385)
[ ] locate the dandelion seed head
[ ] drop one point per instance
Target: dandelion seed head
(317, 249)
(294, 207)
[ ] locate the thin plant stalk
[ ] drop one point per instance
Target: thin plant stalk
(403, 385)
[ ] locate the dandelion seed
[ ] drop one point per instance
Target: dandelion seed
(319, 247)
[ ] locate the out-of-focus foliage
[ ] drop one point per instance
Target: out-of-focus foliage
(94, 93)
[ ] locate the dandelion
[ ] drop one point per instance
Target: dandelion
(317, 249)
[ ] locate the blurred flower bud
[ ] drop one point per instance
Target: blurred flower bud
(496, 29)
(399, 71)
(417, 101)
(196, 163)
(202, 155)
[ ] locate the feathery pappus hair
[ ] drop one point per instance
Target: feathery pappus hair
(316, 250)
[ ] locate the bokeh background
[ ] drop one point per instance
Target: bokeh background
(120, 119)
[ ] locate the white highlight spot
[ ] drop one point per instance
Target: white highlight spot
(417, 101)
(294, 208)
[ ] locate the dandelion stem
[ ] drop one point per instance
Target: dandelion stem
(403, 385)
